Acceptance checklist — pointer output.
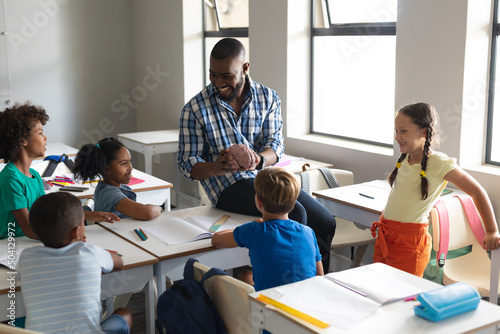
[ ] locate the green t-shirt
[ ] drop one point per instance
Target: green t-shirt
(17, 191)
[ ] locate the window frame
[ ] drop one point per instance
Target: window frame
(219, 33)
(344, 29)
(491, 96)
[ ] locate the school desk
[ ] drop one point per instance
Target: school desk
(152, 191)
(136, 275)
(396, 317)
(150, 143)
(348, 202)
(362, 203)
(173, 258)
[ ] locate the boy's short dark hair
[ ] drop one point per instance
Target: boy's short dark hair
(52, 217)
(15, 126)
(277, 188)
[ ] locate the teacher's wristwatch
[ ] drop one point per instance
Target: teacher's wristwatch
(262, 162)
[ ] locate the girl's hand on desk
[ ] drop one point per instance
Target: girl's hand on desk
(98, 216)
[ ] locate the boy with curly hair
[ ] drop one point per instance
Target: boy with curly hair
(21, 141)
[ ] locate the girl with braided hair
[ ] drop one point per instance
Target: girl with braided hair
(418, 179)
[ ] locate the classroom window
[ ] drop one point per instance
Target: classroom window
(493, 123)
(353, 61)
(224, 18)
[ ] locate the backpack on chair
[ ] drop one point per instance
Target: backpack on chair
(186, 307)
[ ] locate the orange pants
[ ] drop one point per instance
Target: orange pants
(405, 246)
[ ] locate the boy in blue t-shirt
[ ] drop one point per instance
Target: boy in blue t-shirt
(281, 250)
(61, 280)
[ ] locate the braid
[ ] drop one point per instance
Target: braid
(392, 177)
(424, 185)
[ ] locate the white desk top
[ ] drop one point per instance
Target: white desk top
(151, 183)
(396, 317)
(350, 195)
(133, 256)
(152, 137)
(125, 228)
(378, 189)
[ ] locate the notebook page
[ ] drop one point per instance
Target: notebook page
(206, 222)
(176, 231)
(377, 286)
(326, 301)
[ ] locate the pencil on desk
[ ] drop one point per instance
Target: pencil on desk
(114, 252)
(143, 238)
(144, 234)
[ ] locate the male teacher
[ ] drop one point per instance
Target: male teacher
(233, 109)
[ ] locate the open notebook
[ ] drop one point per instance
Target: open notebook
(176, 231)
(366, 281)
(339, 305)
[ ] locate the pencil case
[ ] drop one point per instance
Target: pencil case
(448, 301)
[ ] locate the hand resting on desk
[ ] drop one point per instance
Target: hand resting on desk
(97, 216)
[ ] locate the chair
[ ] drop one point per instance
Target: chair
(347, 234)
(474, 268)
(230, 297)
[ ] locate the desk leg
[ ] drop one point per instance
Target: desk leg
(161, 280)
(176, 182)
(148, 159)
(150, 306)
(168, 202)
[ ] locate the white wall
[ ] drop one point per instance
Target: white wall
(91, 64)
(74, 58)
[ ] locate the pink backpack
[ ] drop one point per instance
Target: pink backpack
(444, 226)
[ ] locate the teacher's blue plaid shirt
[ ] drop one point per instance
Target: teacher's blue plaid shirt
(208, 125)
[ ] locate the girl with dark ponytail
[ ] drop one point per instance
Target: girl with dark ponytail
(417, 181)
(110, 161)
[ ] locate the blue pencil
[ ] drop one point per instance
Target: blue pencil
(143, 238)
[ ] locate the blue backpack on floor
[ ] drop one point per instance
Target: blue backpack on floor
(186, 308)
